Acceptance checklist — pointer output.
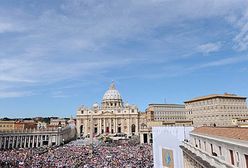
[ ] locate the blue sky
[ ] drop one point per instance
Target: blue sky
(56, 55)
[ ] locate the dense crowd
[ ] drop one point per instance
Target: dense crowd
(104, 155)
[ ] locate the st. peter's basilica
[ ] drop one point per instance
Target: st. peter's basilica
(111, 117)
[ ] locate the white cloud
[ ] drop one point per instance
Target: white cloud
(5, 27)
(241, 39)
(220, 62)
(209, 47)
(59, 94)
(12, 94)
(72, 41)
(179, 70)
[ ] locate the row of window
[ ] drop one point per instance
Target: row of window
(6, 126)
(171, 112)
(167, 108)
(219, 151)
(119, 111)
(215, 116)
(220, 107)
(169, 118)
(217, 100)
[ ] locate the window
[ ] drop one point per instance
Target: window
(246, 160)
(220, 150)
(211, 145)
(237, 154)
(195, 142)
(95, 130)
(232, 158)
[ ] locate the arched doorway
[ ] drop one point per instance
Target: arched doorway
(133, 128)
(119, 130)
(81, 129)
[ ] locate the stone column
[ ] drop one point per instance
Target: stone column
(16, 141)
(110, 125)
(60, 138)
(37, 141)
(33, 142)
(21, 141)
(122, 125)
(136, 126)
(104, 125)
(9, 141)
(129, 131)
(98, 126)
(25, 142)
(114, 126)
(13, 142)
(78, 127)
(57, 139)
(141, 138)
(41, 140)
(29, 140)
(4, 143)
(1, 139)
(50, 140)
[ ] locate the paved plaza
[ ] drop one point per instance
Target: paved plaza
(79, 154)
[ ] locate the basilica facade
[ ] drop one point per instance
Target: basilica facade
(111, 117)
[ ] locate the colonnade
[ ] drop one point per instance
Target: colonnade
(110, 125)
(24, 141)
(35, 138)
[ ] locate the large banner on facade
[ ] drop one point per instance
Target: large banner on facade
(166, 142)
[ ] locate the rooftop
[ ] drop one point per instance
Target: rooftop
(165, 105)
(225, 132)
(225, 95)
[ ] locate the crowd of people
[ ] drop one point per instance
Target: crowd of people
(75, 154)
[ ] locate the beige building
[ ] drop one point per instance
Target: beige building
(16, 125)
(41, 125)
(145, 129)
(58, 122)
(216, 109)
(216, 147)
(7, 125)
(111, 117)
(167, 115)
(240, 122)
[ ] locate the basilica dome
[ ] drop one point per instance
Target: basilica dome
(112, 98)
(112, 93)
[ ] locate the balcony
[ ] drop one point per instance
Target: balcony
(214, 161)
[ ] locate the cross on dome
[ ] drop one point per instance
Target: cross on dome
(112, 86)
(112, 98)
